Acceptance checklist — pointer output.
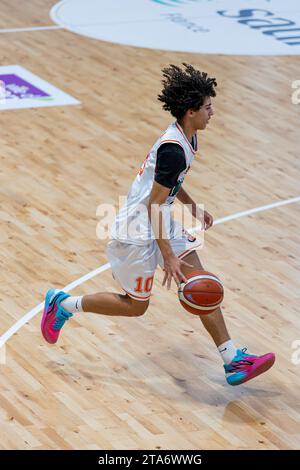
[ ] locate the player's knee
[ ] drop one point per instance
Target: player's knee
(139, 308)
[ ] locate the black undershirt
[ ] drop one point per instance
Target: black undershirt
(170, 163)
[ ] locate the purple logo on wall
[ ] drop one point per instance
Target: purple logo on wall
(18, 88)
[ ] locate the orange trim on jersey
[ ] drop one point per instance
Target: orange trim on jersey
(136, 297)
(185, 137)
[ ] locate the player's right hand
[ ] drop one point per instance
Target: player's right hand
(173, 269)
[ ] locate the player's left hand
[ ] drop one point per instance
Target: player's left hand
(208, 220)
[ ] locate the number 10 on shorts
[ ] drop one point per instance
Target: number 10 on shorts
(143, 285)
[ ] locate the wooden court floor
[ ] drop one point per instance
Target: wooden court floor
(154, 382)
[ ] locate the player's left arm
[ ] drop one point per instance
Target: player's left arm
(206, 218)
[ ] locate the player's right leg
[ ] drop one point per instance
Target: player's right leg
(132, 266)
(240, 366)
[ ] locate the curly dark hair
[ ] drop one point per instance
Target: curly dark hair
(185, 89)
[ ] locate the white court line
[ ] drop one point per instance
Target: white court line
(29, 29)
(238, 215)
(28, 316)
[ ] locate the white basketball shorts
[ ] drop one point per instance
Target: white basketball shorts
(133, 266)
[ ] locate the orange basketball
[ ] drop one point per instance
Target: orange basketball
(202, 293)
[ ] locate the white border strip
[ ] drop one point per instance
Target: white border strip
(29, 29)
(28, 316)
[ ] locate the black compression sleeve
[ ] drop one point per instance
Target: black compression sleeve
(170, 163)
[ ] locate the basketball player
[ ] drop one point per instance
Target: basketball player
(144, 235)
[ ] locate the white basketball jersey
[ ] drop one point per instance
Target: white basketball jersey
(132, 224)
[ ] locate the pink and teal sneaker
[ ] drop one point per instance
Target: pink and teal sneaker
(54, 315)
(244, 367)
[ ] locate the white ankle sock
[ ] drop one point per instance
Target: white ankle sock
(72, 304)
(227, 351)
